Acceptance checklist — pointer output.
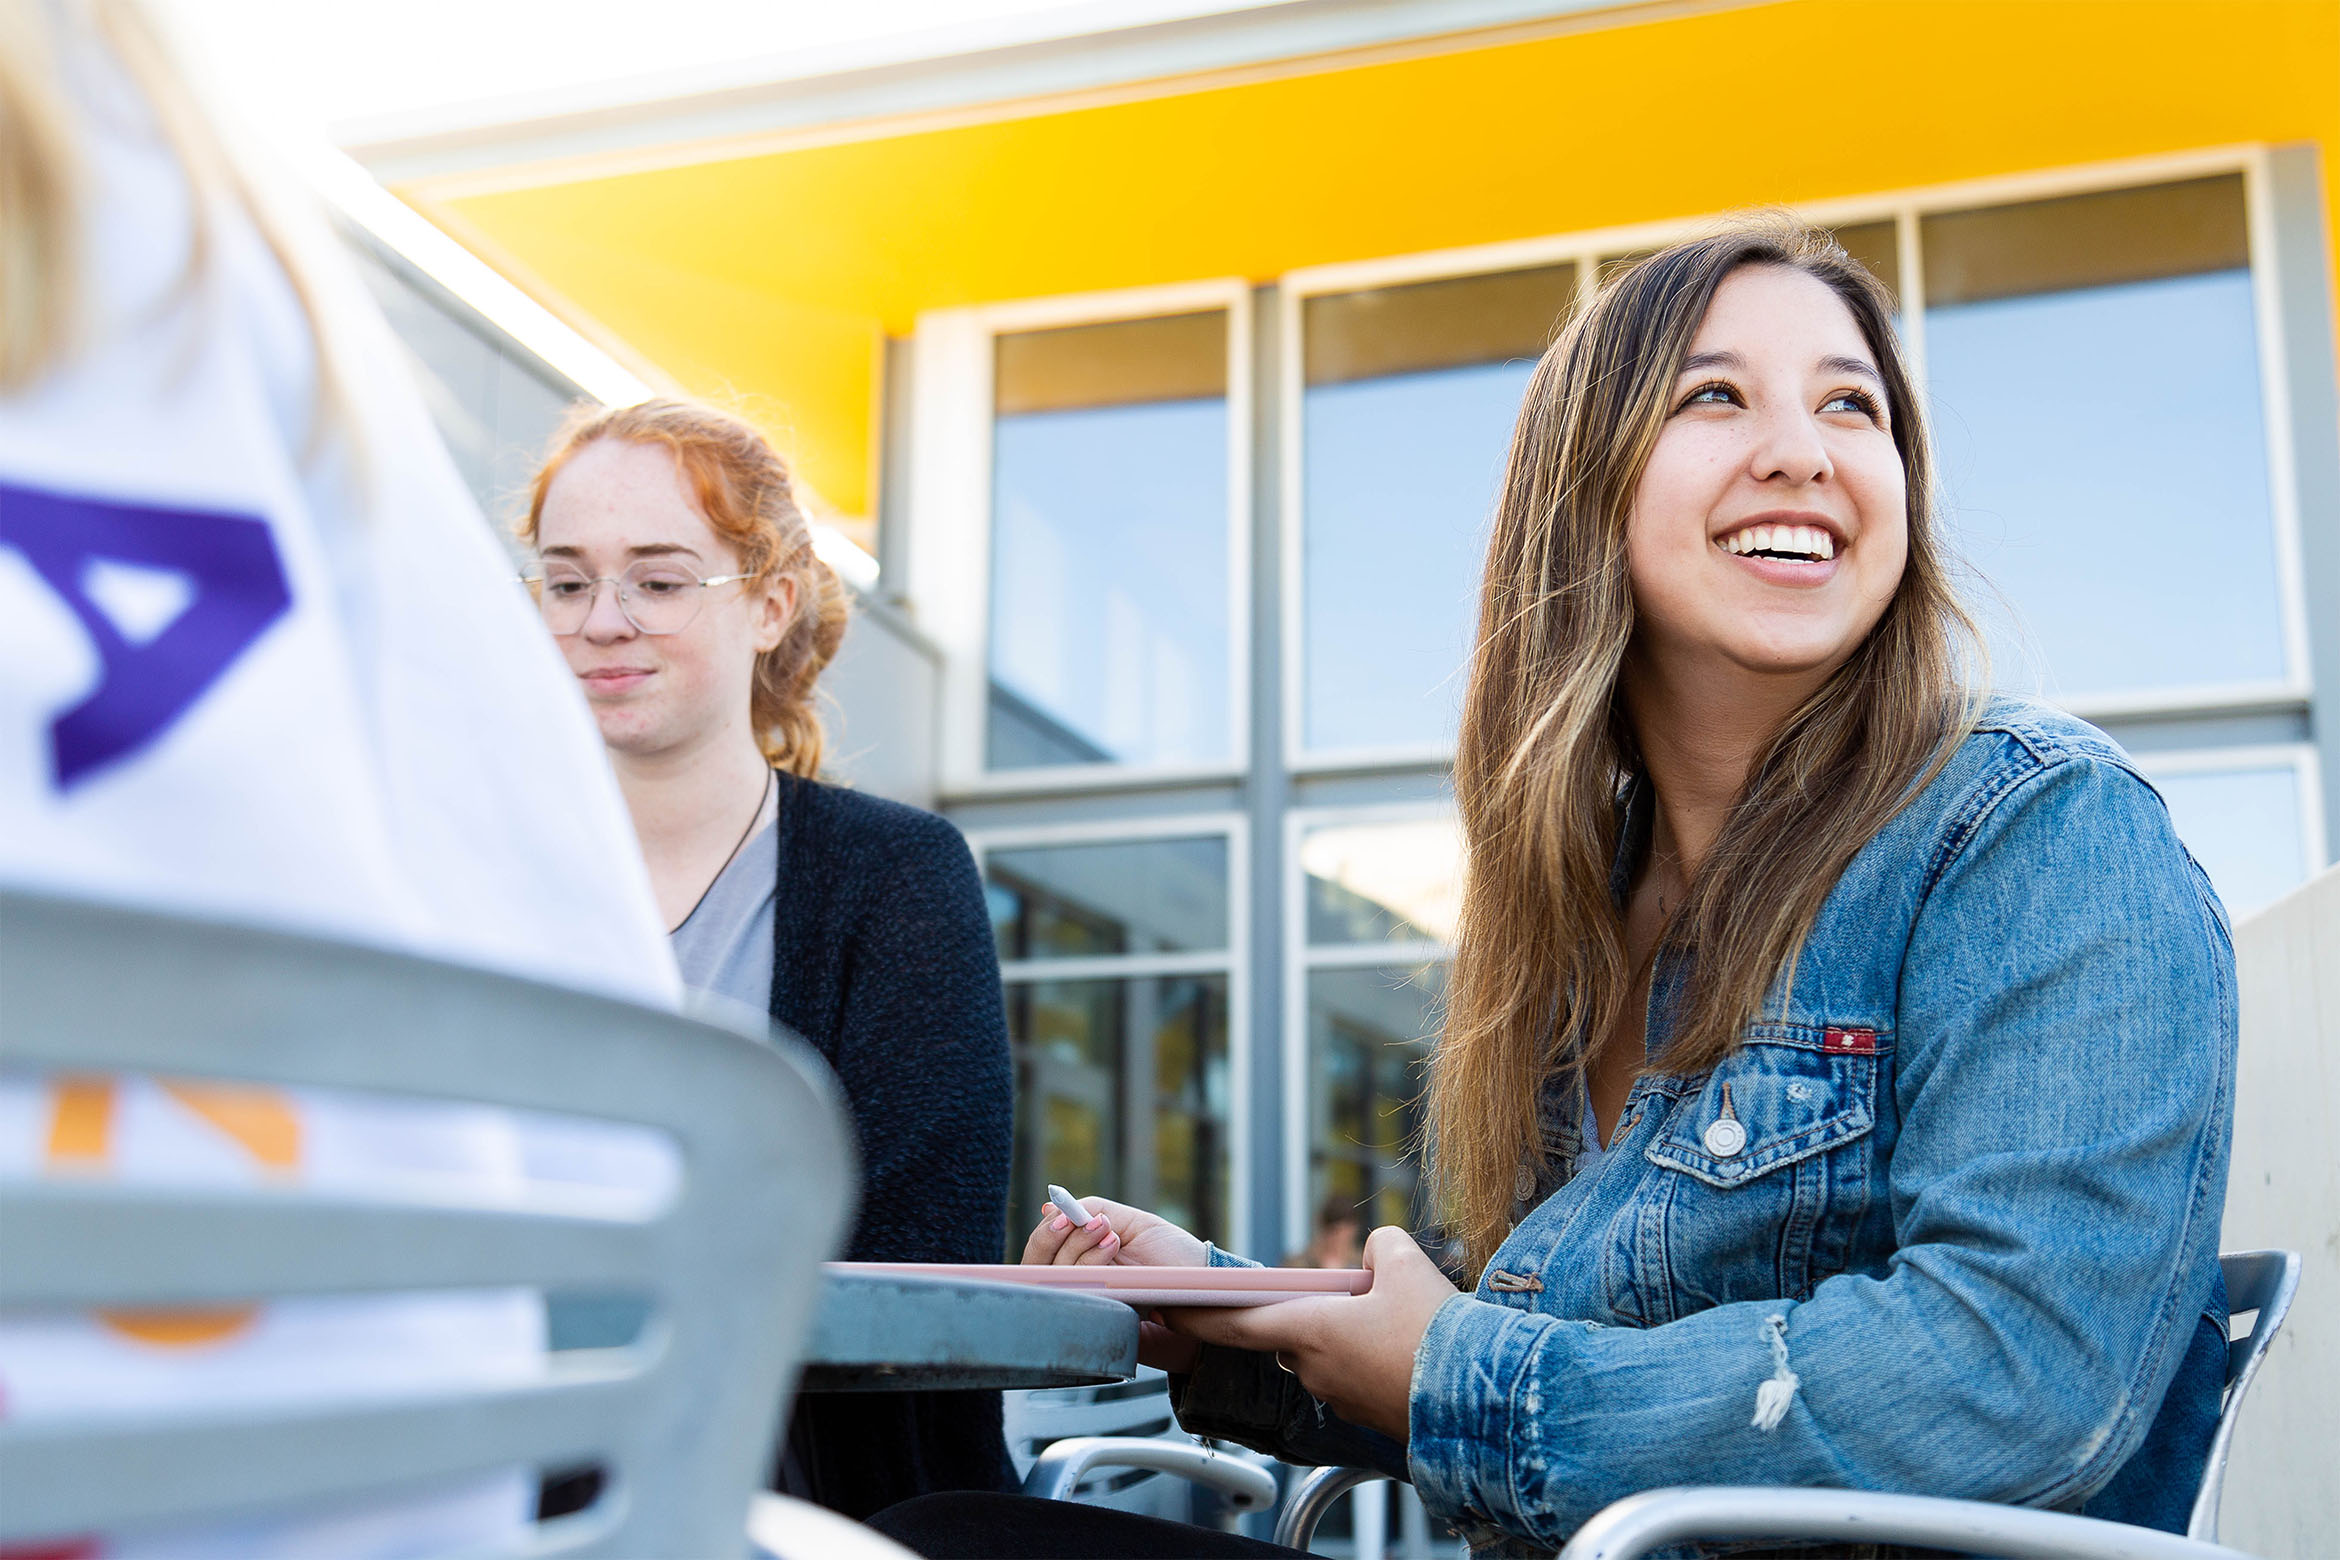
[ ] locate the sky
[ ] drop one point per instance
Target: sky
(362, 69)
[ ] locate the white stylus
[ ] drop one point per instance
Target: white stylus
(1072, 1207)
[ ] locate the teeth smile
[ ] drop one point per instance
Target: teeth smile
(1800, 543)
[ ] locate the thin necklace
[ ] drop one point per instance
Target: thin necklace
(754, 818)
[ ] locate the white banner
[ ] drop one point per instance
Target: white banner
(250, 681)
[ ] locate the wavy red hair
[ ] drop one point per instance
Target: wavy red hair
(742, 489)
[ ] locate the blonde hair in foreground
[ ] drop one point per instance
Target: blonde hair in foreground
(1539, 970)
(743, 490)
(38, 171)
(41, 262)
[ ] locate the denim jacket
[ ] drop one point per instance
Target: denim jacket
(1946, 1223)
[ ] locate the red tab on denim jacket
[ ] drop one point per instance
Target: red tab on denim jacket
(1863, 1041)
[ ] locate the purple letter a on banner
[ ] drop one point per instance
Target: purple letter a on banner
(234, 585)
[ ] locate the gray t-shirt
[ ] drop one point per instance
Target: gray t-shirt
(725, 944)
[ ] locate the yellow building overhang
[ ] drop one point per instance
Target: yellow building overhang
(767, 275)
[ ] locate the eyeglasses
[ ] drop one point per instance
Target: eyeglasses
(657, 596)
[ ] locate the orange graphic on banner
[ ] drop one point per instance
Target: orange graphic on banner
(83, 1126)
(257, 1118)
(181, 1327)
(81, 1132)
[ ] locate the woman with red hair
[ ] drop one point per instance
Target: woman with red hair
(678, 575)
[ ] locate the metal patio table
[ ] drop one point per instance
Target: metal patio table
(896, 1333)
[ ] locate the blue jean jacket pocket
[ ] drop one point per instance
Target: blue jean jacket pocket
(1760, 1175)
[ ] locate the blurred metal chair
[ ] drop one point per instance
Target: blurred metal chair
(1312, 1498)
(1119, 1446)
(2259, 1284)
(679, 1421)
(1315, 1495)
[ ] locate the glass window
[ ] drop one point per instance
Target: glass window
(1109, 566)
(1368, 1032)
(2243, 825)
(1383, 882)
(1123, 896)
(1380, 899)
(1121, 1092)
(2093, 362)
(1877, 246)
(1122, 1072)
(1410, 398)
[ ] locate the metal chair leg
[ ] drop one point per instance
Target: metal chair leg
(1312, 1499)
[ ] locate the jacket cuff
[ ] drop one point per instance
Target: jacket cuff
(1214, 1257)
(1464, 1417)
(1231, 1395)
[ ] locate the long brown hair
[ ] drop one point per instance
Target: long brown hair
(1540, 967)
(743, 490)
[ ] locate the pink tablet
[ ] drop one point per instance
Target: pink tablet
(1144, 1287)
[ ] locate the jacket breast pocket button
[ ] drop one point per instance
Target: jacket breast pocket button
(1725, 1137)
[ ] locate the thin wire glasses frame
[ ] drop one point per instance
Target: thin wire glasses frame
(658, 596)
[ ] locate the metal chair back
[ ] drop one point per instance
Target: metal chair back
(2259, 1284)
(1137, 1410)
(679, 1419)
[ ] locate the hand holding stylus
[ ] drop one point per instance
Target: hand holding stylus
(1086, 1236)
(1094, 1230)
(1069, 1207)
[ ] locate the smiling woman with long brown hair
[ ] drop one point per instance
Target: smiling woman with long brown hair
(1836, 1080)
(1586, 622)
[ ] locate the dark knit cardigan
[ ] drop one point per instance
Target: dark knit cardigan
(882, 959)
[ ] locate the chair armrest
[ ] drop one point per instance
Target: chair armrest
(781, 1527)
(1312, 1497)
(1060, 1469)
(1640, 1523)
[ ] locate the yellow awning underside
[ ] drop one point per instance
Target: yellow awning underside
(767, 277)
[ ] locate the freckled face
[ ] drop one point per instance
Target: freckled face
(1770, 528)
(615, 502)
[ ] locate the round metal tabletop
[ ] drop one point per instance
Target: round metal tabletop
(892, 1333)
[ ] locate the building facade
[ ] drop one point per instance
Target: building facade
(1168, 375)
